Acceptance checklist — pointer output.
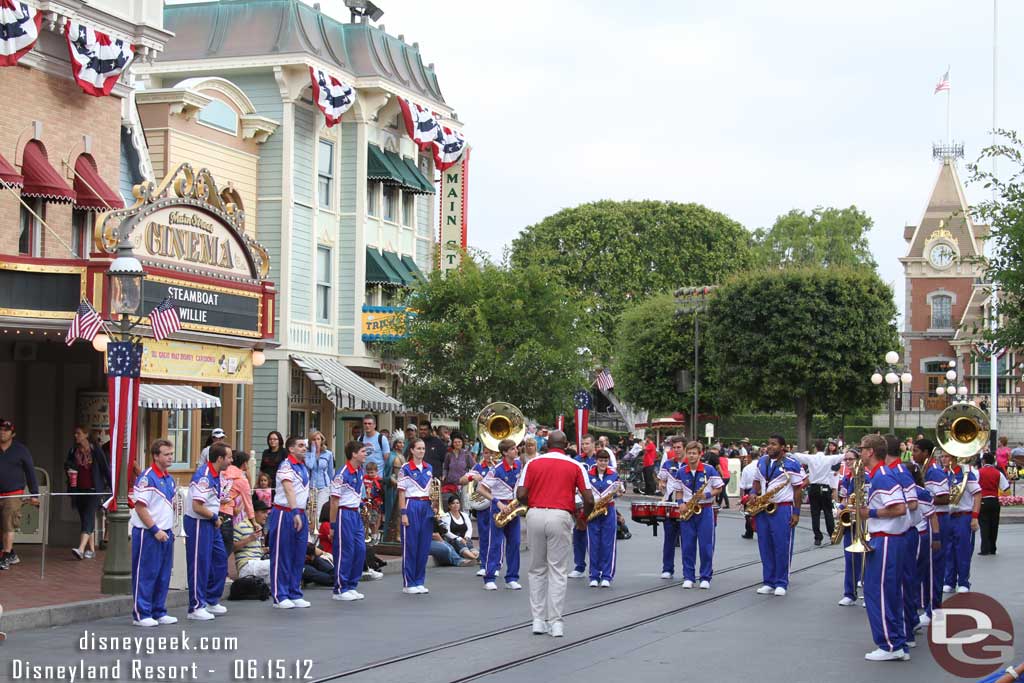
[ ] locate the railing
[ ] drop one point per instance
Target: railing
(912, 402)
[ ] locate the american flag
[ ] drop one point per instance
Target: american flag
(942, 84)
(164, 319)
(124, 362)
(85, 324)
(605, 381)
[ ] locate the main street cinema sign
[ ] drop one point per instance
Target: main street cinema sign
(196, 252)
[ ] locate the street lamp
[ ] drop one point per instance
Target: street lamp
(892, 374)
(956, 392)
(124, 282)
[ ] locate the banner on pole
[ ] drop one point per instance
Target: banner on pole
(454, 185)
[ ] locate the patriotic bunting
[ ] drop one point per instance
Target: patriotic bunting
(584, 403)
(445, 144)
(448, 148)
(124, 363)
(19, 30)
(96, 59)
(85, 324)
(333, 97)
(164, 319)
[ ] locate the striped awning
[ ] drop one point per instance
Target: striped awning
(175, 397)
(344, 388)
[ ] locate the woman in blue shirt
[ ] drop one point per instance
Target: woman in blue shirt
(320, 463)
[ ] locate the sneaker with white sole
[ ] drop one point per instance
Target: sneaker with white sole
(666, 575)
(422, 589)
(911, 643)
(576, 574)
(605, 583)
(147, 622)
(705, 584)
(963, 589)
(284, 604)
(199, 615)
(299, 602)
(217, 609)
(513, 586)
(687, 584)
(947, 589)
(79, 555)
(881, 655)
(780, 591)
(765, 590)
(540, 627)
(924, 620)
(347, 596)
(166, 620)
(846, 601)
(89, 554)
(408, 590)
(482, 572)
(359, 596)
(490, 586)
(557, 630)
(593, 583)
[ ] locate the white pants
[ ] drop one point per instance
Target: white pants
(550, 534)
(259, 568)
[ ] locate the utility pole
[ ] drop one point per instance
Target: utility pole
(694, 300)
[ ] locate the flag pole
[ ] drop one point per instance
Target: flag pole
(949, 95)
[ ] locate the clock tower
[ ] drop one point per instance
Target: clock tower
(944, 296)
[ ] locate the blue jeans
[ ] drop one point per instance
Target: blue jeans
(444, 555)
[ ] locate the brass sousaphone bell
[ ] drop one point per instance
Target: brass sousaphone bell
(962, 431)
(499, 421)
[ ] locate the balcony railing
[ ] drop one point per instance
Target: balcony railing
(911, 401)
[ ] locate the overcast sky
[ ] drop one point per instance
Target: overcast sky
(751, 108)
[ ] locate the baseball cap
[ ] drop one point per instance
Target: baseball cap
(6, 424)
(218, 433)
(259, 504)
(411, 425)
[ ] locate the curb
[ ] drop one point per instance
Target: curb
(48, 616)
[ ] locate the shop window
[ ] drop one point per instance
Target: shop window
(408, 208)
(325, 173)
(239, 441)
(298, 385)
(30, 237)
(81, 231)
(391, 203)
(210, 418)
(179, 431)
(942, 312)
(372, 198)
(297, 423)
(323, 284)
(220, 115)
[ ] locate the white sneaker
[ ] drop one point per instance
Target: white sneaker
(605, 583)
(574, 574)
(911, 643)
(422, 589)
(346, 596)
(924, 620)
(593, 583)
(765, 590)
(148, 621)
(167, 619)
(376, 575)
(482, 572)
(846, 601)
(666, 575)
(217, 609)
(687, 584)
(408, 590)
(780, 591)
(513, 586)
(540, 627)
(705, 585)
(199, 615)
(299, 602)
(359, 596)
(490, 586)
(881, 655)
(962, 589)
(284, 604)
(947, 589)
(557, 629)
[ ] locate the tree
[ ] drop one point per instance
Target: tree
(824, 237)
(486, 333)
(610, 253)
(652, 345)
(801, 339)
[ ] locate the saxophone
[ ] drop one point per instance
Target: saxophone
(763, 503)
(602, 503)
(692, 506)
(501, 519)
(956, 491)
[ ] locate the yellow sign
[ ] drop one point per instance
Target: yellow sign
(453, 213)
(189, 362)
(383, 323)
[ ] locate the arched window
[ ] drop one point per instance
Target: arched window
(942, 312)
(219, 115)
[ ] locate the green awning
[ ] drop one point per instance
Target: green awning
(417, 181)
(413, 269)
(392, 259)
(379, 271)
(379, 167)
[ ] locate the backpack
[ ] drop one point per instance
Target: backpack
(249, 588)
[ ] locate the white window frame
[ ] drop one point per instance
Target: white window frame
(373, 195)
(321, 176)
(323, 284)
(81, 230)
(35, 228)
(394, 217)
(181, 437)
(240, 416)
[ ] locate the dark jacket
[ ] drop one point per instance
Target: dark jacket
(271, 461)
(16, 469)
(100, 469)
(436, 450)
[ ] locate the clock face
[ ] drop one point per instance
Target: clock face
(941, 255)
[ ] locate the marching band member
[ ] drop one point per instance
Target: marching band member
(580, 536)
(911, 537)
(501, 484)
(152, 522)
(205, 556)
(928, 543)
(288, 528)
(668, 481)
(349, 545)
(417, 518)
(775, 531)
(484, 518)
(937, 483)
(887, 521)
(699, 530)
(746, 484)
(601, 529)
(963, 522)
(854, 561)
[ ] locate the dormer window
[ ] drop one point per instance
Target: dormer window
(220, 116)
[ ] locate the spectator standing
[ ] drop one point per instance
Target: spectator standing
(89, 478)
(649, 463)
(392, 466)
(820, 478)
(435, 446)
(377, 445)
(216, 436)
(236, 497)
(273, 454)
(1002, 454)
(320, 463)
(250, 555)
(746, 484)
(17, 472)
(457, 462)
(992, 481)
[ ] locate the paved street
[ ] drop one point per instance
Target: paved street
(733, 632)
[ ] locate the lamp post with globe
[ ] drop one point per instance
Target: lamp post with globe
(953, 389)
(892, 374)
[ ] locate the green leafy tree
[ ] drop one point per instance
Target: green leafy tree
(485, 333)
(805, 340)
(610, 253)
(825, 237)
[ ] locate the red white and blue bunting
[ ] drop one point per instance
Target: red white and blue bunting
(19, 30)
(446, 145)
(333, 97)
(96, 59)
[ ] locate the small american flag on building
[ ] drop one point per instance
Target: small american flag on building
(605, 381)
(85, 324)
(164, 319)
(943, 84)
